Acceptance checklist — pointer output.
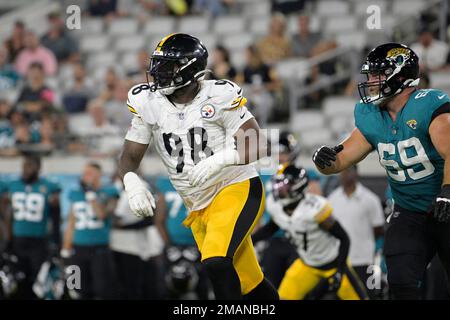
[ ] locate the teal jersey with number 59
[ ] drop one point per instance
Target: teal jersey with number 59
(31, 207)
(404, 146)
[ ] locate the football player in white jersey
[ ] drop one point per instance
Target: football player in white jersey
(322, 244)
(201, 129)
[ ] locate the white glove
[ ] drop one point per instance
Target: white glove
(203, 170)
(140, 199)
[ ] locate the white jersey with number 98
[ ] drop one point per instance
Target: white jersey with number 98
(185, 134)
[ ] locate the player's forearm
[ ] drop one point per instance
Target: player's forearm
(131, 157)
(446, 179)
(68, 233)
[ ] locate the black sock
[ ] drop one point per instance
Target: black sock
(224, 278)
(263, 291)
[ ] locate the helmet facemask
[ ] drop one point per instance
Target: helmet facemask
(170, 74)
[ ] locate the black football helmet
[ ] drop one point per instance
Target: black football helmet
(178, 60)
(287, 143)
(395, 65)
(289, 184)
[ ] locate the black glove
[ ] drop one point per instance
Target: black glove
(325, 155)
(441, 206)
(334, 282)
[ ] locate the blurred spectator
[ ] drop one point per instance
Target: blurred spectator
(102, 8)
(110, 82)
(221, 66)
(138, 74)
(275, 46)
(63, 46)
(16, 42)
(288, 6)
(8, 76)
(432, 52)
(36, 95)
(304, 41)
(104, 138)
(360, 213)
(78, 91)
(213, 7)
(115, 111)
(7, 137)
(263, 84)
(35, 52)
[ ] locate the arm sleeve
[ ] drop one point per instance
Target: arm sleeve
(265, 231)
(338, 232)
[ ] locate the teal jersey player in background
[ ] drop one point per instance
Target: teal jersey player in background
(410, 130)
(33, 202)
(86, 238)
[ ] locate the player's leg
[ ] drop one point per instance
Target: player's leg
(103, 273)
(442, 233)
(408, 249)
(231, 218)
(277, 258)
(253, 284)
(351, 287)
(298, 281)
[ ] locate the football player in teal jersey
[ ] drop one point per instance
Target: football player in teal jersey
(86, 239)
(410, 130)
(33, 204)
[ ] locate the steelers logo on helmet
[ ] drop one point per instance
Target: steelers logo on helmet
(208, 111)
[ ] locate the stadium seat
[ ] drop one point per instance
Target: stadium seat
(338, 105)
(237, 41)
(440, 80)
(159, 25)
(314, 24)
(129, 61)
(228, 25)
(340, 24)
(407, 7)
(194, 25)
(292, 69)
(123, 26)
(257, 9)
(307, 120)
(314, 138)
(332, 8)
(260, 26)
(130, 43)
(90, 26)
(208, 39)
(355, 39)
(361, 6)
(101, 59)
(238, 58)
(94, 43)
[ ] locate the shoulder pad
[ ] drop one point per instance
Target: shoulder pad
(137, 96)
(227, 94)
